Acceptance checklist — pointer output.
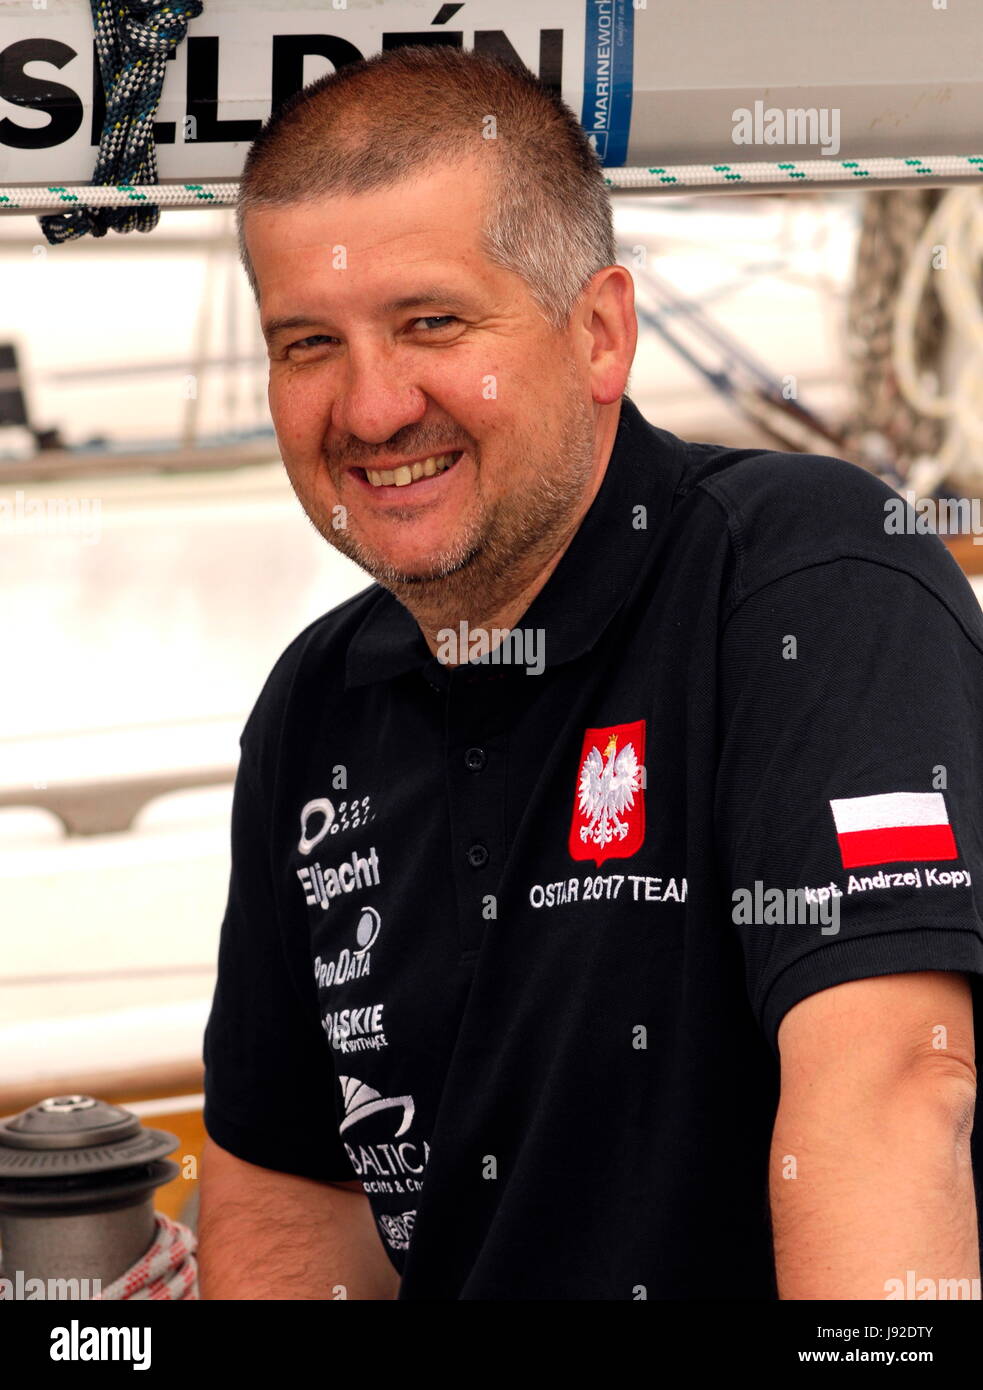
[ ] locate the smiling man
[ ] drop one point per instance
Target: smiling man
(490, 1020)
(455, 485)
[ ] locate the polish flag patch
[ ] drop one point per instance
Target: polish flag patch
(894, 828)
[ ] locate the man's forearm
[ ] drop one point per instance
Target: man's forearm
(265, 1235)
(864, 1191)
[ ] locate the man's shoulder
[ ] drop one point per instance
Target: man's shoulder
(322, 644)
(764, 492)
(787, 512)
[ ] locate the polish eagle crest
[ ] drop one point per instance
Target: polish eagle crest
(607, 790)
(608, 812)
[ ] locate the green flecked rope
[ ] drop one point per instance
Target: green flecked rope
(943, 168)
(133, 39)
(144, 197)
(31, 197)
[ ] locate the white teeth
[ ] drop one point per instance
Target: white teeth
(409, 473)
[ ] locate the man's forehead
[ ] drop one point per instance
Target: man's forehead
(379, 252)
(312, 279)
(441, 205)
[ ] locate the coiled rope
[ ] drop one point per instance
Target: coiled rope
(950, 250)
(133, 39)
(885, 431)
(168, 1270)
(671, 178)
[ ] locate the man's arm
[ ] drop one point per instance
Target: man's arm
(269, 1235)
(870, 1162)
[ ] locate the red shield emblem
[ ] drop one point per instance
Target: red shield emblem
(609, 799)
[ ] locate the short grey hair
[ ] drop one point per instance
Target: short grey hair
(375, 123)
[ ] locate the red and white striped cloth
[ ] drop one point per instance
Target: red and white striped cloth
(893, 828)
(169, 1269)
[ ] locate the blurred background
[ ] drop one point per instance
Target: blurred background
(154, 562)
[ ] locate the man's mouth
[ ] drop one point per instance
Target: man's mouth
(409, 473)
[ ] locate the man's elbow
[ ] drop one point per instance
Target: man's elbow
(941, 1089)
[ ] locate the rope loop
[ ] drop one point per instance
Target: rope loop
(133, 39)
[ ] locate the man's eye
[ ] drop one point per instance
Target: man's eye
(317, 339)
(308, 342)
(437, 318)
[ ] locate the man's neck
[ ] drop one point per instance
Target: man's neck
(481, 616)
(442, 608)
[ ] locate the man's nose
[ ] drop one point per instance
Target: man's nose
(376, 397)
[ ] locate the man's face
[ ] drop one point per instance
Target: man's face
(466, 365)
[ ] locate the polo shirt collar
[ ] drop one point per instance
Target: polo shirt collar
(592, 579)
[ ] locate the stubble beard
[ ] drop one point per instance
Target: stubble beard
(500, 548)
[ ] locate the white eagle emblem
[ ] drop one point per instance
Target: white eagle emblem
(607, 788)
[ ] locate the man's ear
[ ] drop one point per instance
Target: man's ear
(610, 321)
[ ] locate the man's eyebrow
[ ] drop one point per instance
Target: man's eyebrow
(430, 294)
(274, 326)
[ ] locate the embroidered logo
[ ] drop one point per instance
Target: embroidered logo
(609, 801)
(361, 1100)
(320, 817)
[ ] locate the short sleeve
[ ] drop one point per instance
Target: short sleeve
(269, 1074)
(850, 779)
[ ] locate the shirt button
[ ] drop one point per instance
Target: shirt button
(477, 856)
(475, 759)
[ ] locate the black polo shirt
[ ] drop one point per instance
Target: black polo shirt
(503, 941)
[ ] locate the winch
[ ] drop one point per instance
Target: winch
(77, 1183)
